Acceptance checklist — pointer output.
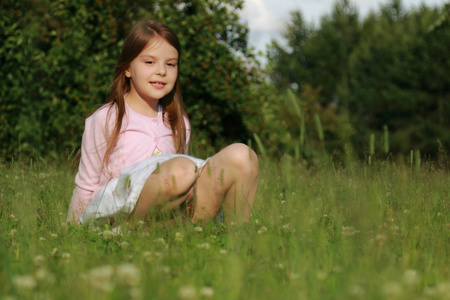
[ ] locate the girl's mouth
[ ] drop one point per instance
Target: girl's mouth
(158, 84)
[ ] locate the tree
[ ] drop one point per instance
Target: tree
(398, 79)
(57, 59)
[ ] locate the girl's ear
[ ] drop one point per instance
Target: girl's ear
(127, 73)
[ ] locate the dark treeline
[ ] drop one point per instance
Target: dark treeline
(385, 76)
(333, 89)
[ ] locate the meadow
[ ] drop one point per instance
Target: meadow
(368, 231)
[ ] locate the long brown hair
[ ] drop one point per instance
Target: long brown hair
(173, 108)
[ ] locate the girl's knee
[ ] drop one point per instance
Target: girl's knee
(179, 176)
(243, 158)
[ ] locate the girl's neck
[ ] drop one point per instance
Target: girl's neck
(148, 109)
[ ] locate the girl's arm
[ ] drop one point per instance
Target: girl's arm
(87, 180)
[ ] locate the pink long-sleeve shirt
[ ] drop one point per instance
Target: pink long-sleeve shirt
(141, 137)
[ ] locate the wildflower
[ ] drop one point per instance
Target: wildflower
(124, 244)
(54, 235)
(178, 237)
(107, 234)
(357, 290)
(24, 282)
(187, 292)
(281, 217)
(286, 227)
(223, 251)
(148, 256)
(100, 278)
(380, 239)
(203, 246)
(283, 203)
(410, 277)
(279, 266)
(198, 229)
(45, 277)
(135, 293)
(13, 232)
(293, 276)
(39, 260)
(160, 241)
(207, 292)
(262, 230)
(65, 258)
(392, 289)
(54, 252)
(349, 231)
(42, 239)
(128, 274)
(257, 221)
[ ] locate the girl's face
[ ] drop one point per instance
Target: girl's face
(153, 73)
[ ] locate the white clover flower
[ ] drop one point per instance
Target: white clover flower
(204, 246)
(392, 289)
(198, 229)
(24, 282)
(257, 221)
(187, 292)
(286, 227)
(349, 231)
(207, 292)
(65, 258)
(42, 239)
(54, 252)
(410, 277)
(148, 256)
(100, 278)
(262, 230)
(178, 237)
(357, 290)
(160, 241)
(45, 277)
(128, 274)
(54, 235)
(13, 232)
(39, 260)
(223, 251)
(124, 244)
(107, 234)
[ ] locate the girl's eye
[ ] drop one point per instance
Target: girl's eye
(149, 62)
(171, 65)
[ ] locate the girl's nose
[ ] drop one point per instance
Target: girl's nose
(161, 70)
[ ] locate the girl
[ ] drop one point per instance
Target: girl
(133, 155)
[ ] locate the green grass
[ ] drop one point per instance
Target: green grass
(367, 232)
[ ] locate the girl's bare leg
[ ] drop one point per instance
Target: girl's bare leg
(167, 188)
(230, 180)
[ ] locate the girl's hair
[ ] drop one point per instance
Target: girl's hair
(140, 36)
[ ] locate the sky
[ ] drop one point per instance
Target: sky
(266, 19)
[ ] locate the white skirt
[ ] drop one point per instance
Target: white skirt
(119, 196)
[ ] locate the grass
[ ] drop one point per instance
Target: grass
(366, 232)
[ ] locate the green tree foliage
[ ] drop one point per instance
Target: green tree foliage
(314, 66)
(57, 59)
(386, 72)
(399, 78)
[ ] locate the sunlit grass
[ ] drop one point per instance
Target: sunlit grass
(378, 231)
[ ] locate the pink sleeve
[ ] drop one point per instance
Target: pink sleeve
(93, 148)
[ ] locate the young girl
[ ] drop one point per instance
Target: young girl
(133, 155)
